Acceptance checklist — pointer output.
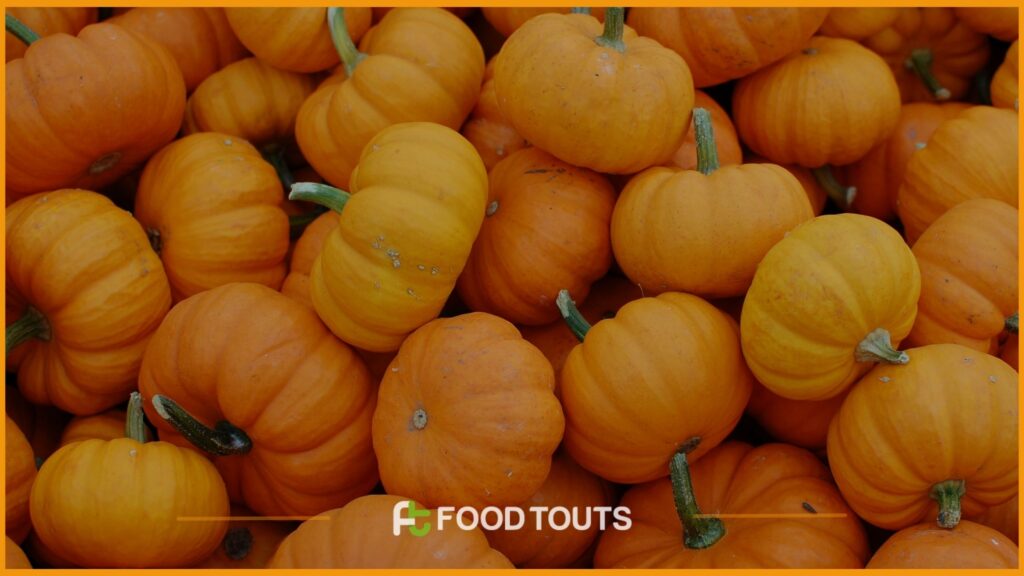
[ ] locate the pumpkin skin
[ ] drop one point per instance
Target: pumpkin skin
(1004, 82)
(802, 423)
(269, 375)
(973, 155)
(340, 118)
(20, 474)
(969, 545)
(294, 39)
(249, 99)
(87, 267)
(45, 22)
(816, 194)
(107, 425)
(954, 411)
(487, 129)
(41, 424)
(242, 234)
(736, 478)
(508, 20)
(546, 229)
(780, 111)
(554, 63)
(15, 557)
(359, 536)
(249, 542)
(436, 414)
(304, 255)
(968, 261)
(59, 146)
(662, 371)
(858, 23)
(727, 142)
(998, 22)
(803, 347)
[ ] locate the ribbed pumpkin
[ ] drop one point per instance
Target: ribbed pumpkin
(932, 439)
(1004, 82)
(20, 474)
(825, 303)
(249, 542)
(802, 423)
(487, 129)
(41, 424)
(999, 22)
(508, 20)
(969, 545)
(308, 247)
(45, 22)
(816, 193)
(858, 23)
(727, 142)
(104, 426)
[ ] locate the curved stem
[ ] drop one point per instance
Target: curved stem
(350, 55)
(948, 495)
(920, 62)
(580, 11)
(20, 31)
(698, 531)
(135, 422)
(707, 149)
(237, 543)
(274, 155)
(877, 347)
(1012, 323)
(614, 25)
(225, 439)
(576, 322)
(842, 195)
(32, 324)
(297, 223)
(327, 196)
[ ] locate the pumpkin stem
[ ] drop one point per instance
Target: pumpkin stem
(297, 223)
(698, 531)
(32, 324)
(842, 195)
(1011, 323)
(576, 322)
(225, 439)
(20, 30)
(237, 543)
(135, 422)
(580, 11)
(920, 62)
(274, 155)
(614, 26)
(707, 149)
(350, 55)
(327, 196)
(948, 495)
(877, 347)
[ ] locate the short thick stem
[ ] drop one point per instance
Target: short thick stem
(237, 543)
(614, 26)
(1012, 323)
(698, 531)
(576, 322)
(32, 324)
(135, 421)
(225, 439)
(704, 134)
(877, 347)
(350, 55)
(842, 195)
(327, 196)
(948, 495)
(920, 62)
(20, 31)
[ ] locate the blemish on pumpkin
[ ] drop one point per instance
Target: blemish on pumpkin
(419, 419)
(434, 270)
(228, 142)
(968, 360)
(376, 284)
(885, 379)
(993, 379)
(508, 473)
(105, 163)
(393, 254)
(132, 452)
(421, 267)
(807, 506)
(410, 292)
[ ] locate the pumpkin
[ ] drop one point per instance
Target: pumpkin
(41, 424)
(1002, 517)
(778, 509)
(827, 301)
(801, 423)
(90, 292)
(294, 39)
(89, 497)
(435, 415)
(1000, 22)
(45, 22)
(816, 193)
(416, 205)
(973, 155)
(428, 48)
(15, 557)
(727, 143)
(359, 536)
(508, 20)
(968, 261)
(546, 227)
(1010, 351)
(104, 426)
(577, 490)
(969, 545)
(723, 218)
(93, 139)
(858, 23)
(199, 39)
(249, 99)
(928, 440)
(665, 372)
(572, 90)
(263, 369)
(1004, 82)
(249, 542)
(828, 103)
(211, 206)
(20, 474)
(487, 129)
(304, 255)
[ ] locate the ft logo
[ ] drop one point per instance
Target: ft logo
(398, 520)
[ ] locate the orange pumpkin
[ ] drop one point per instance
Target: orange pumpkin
(770, 498)
(508, 20)
(802, 423)
(41, 424)
(15, 557)
(304, 255)
(104, 426)
(1002, 517)
(816, 193)
(969, 545)
(928, 440)
(827, 301)
(973, 155)
(999, 22)
(45, 22)
(1004, 82)
(249, 543)
(1010, 353)
(90, 292)
(858, 23)
(487, 129)
(359, 536)
(571, 90)
(294, 39)
(428, 48)
(20, 474)
(93, 139)
(727, 143)
(262, 367)
(829, 103)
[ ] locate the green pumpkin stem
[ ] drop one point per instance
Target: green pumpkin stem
(842, 195)
(948, 495)
(237, 543)
(20, 31)
(580, 11)
(877, 347)
(274, 155)
(576, 322)
(614, 26)
(32, 324)
(920, 62)
(135, 422)
(707, 148)
(698, 531)
(297, 223)
(327, 196)
(225, 439)
(350, 55)
(1012, 323)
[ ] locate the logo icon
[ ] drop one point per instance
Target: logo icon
(410, 520)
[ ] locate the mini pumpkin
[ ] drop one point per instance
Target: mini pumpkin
(508, 20)
(20, 474)
(104, 426)
(727, 142)
(1000, 22)
(969, 545)
(487, 129)
(858, 23)
(802, 423)
(304, 255)
(44, 22)
(14, 556)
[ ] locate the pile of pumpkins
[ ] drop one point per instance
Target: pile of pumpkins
(271, 272)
